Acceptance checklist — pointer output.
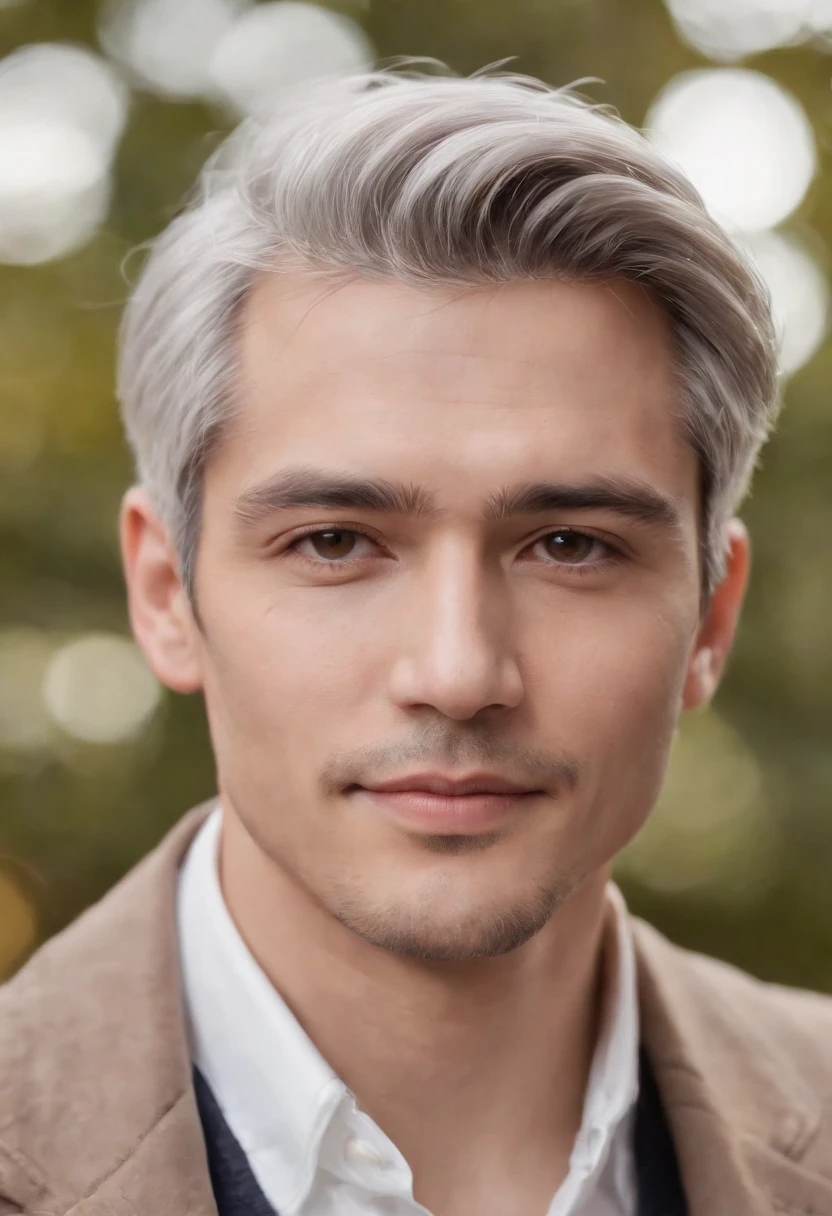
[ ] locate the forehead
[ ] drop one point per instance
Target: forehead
(525, 378)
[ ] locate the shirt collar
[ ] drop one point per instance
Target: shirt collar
(612, 1089)
(277, 1092)
(614, 1075)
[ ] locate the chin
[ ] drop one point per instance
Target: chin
(426, 929)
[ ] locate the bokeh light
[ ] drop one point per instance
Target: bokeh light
(54, 190)
(742, 139)
(99, 689)
(731, 29)
(799, 295)
(50, 81)
(280, 44)
(62, 110)
(166, 45)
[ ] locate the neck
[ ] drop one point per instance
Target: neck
(490, 1056)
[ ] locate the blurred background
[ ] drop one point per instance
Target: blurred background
(107, 111)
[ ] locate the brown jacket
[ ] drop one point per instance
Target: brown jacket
(98, 1116)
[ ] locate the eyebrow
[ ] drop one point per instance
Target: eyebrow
(329, 489)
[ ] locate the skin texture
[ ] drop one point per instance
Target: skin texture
(455, 983)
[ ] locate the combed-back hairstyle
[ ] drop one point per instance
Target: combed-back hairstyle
(438, 180)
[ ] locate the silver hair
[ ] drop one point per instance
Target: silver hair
(434, 179)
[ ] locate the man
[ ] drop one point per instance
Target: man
(443, 394)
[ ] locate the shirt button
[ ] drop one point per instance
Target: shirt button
(596, 1142)
(361, 1152)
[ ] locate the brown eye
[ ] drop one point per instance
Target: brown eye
(571, 548)
(333, 543)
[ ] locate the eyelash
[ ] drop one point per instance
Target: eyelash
(613, 555)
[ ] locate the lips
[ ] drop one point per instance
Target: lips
(449, 787)
(431, 803)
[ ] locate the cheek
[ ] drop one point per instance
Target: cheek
(619, 664)
(278, 670)
(611, 694)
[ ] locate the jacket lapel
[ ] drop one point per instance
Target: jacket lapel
(165, 1174)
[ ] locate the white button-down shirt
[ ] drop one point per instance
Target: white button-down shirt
(312, 1150)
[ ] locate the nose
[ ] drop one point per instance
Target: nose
(455, 651)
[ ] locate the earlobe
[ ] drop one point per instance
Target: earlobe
(160, 613)
(703, 678)
(716, 633)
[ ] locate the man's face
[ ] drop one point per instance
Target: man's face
(341, 646)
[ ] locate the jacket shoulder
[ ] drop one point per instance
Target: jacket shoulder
(780, 1007)
(94, 1015)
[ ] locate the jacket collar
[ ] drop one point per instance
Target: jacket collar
(72, 1143)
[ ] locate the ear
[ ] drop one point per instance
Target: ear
(160, 613)
(716, 633)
